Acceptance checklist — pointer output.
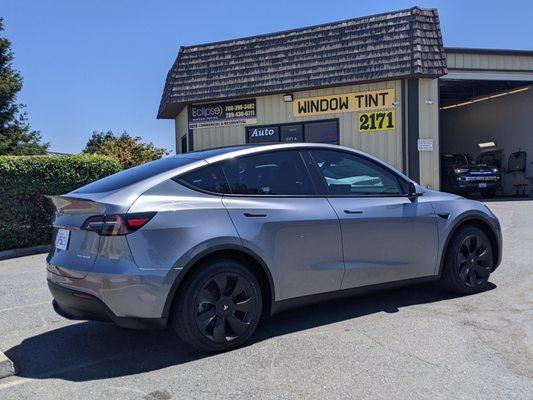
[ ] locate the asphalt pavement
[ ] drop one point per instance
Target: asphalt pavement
(417, 342)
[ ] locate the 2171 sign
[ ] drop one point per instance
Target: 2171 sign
(377, 121)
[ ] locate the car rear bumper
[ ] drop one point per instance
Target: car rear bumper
(77, 305)
(114, 290)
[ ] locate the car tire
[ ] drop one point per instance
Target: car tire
(218, 307)
(468, 261)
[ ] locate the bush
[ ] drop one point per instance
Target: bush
(25, 214)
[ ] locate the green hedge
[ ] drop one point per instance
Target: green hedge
(25, 214)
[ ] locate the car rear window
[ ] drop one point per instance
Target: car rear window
(210, 178)
(136, 174)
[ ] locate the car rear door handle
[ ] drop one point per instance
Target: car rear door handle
(251, 215)
(352, 212)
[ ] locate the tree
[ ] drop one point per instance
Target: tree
(97, 140)
(128, 150)
(16, 137)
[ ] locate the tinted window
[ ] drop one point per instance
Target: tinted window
(347, 174)
(322, 132)
(292, 133)
(209, 178)
(276, 173)
(136, 174)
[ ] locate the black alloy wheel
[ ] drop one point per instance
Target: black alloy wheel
(469, 261)
(218, 307)
(474, 261)
(225, 307)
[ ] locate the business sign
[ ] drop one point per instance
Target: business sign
(347, 102)
(263, 134)
(384, 120)
(425, 144)
(236, 112)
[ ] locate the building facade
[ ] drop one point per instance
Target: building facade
(372, 83)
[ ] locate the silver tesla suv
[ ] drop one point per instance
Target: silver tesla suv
(211, 241)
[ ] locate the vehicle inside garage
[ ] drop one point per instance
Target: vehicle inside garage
(486, 129)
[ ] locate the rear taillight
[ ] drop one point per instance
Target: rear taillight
(117, 224)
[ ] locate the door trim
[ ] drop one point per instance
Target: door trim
(282, 305)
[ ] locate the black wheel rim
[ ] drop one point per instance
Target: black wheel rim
(225, 307)
(474, 261)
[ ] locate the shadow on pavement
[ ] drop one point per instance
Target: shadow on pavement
(91, 350)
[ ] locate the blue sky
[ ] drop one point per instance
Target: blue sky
(101, 64)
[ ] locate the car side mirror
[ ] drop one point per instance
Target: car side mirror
(412, 194)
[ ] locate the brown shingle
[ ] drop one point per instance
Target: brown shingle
(379, 47)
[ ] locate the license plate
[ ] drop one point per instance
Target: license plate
(482, 185)
(62, 239)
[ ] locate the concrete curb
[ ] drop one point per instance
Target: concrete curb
(26, 251)
(7, 368)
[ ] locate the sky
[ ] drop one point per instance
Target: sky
(101, 64)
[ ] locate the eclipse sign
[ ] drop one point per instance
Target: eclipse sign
(236, 112)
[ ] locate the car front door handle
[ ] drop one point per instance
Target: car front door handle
(251, 215)
(352, 212)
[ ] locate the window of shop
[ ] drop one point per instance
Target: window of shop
(324, 131)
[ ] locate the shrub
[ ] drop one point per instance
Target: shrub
(25, 214)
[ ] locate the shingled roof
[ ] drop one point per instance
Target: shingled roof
(399, 44)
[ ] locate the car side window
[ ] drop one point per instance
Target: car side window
(280, 173)
(209, 178)
(347, 174)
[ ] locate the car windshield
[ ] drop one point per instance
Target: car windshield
(462, 159)
(470, 160)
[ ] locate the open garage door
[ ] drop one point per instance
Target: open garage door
(486, 134)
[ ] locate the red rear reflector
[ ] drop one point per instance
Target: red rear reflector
(82, 295)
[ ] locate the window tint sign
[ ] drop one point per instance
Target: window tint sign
(236, 112)
(263, 134)
(340, 103)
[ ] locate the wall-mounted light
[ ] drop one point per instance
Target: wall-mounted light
(287, 98)
(395, 102)
(485, 145)
(428, 101)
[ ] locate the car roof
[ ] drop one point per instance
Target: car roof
(224, 153)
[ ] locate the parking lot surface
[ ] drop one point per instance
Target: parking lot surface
(417, 342)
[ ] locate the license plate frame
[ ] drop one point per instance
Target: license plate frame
(482, 185)
(62, 239)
